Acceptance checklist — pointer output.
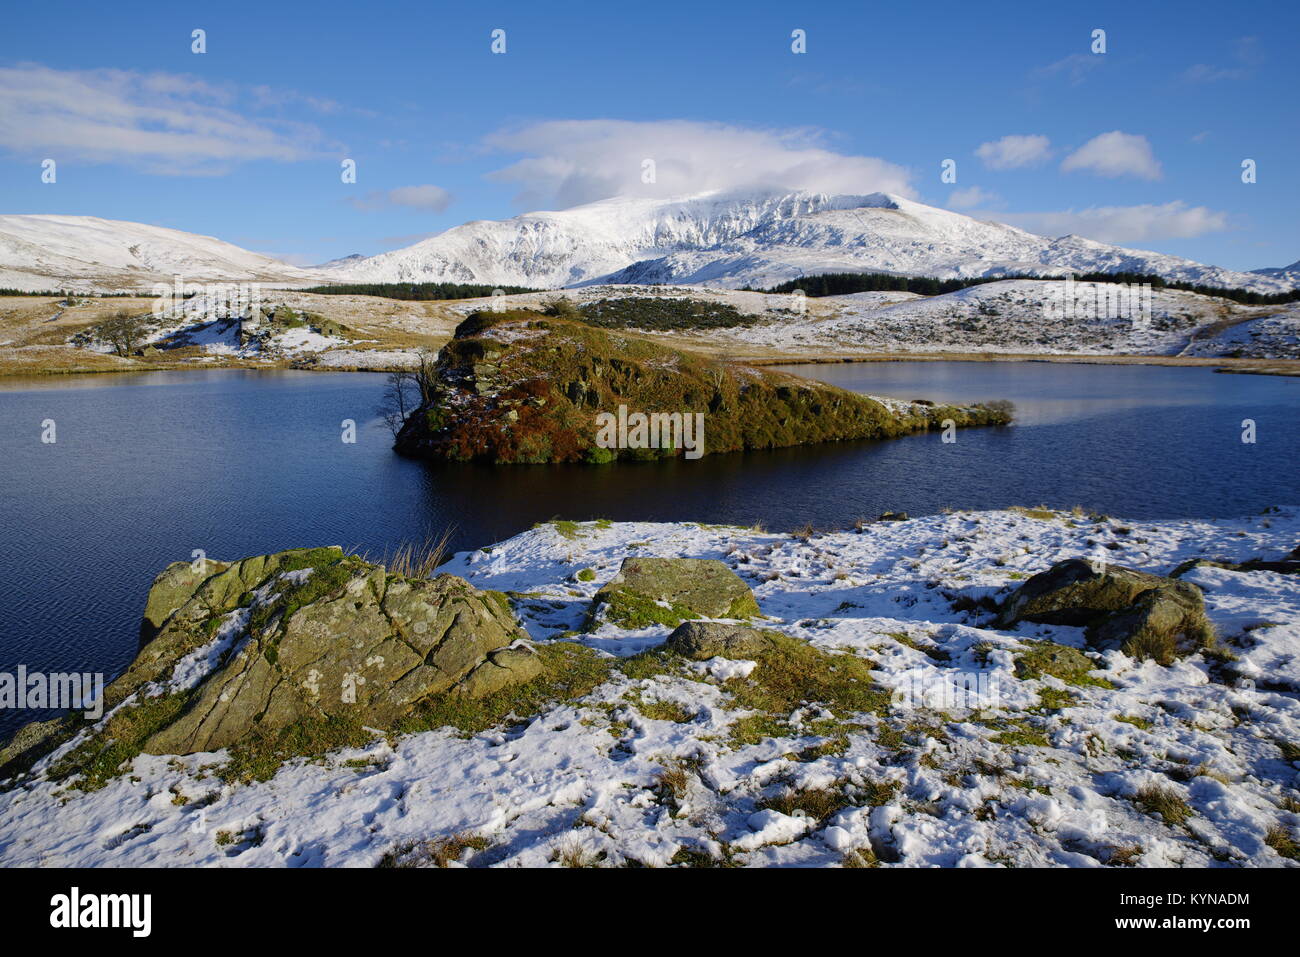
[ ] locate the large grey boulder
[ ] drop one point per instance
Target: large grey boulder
(669, 591)
(300, 638)
(701, 640)
(1144, 615)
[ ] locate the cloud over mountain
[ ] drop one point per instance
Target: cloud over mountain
(567, 163)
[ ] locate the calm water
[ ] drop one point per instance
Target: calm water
(148, 468)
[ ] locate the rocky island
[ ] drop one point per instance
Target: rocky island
(517, 386)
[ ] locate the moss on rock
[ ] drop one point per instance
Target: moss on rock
(518, 387)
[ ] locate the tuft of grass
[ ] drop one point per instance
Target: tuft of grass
(1165, 801)
(1049, 658)
(1279, 838)
(796, 673)
(1126, 856)
(1144, 724)
(660, 710)
(1290, 750)
(571, 853)
(587, 575)
(816, 803)
(438, 852)
(860, 857)
(417, 560)
(754, 728)
(672, 783)
(632, 611)
(1042, 512)
(1022, 737)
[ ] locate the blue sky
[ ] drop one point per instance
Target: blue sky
(1140, 145)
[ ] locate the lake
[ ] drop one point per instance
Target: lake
(148, 468)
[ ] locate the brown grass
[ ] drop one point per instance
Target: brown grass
(417, 561)
(1279, 838)
(439, 852)
(1165, 801)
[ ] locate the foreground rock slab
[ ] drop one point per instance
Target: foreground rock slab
(670, 590)
(1143, 615)
(301, 638)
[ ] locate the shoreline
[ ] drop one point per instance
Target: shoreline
(1023, 721)
(1287, 368)
(1226, 365)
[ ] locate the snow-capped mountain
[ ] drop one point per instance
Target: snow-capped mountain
(85, 252)
(720, 239)
(1287, 274)
(733, 240)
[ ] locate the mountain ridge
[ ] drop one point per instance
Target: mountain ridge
(725, 239)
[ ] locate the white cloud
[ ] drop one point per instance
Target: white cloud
(1115, 154)
(570, 162)
(972, 197)
(161, 122)
(433, 199)
(1205, 73)
(1074, 67)
(1124, 224)
(1014, 151)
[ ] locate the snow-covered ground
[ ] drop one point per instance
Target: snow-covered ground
(1274, 336)
(1008, 316)
(921, 785)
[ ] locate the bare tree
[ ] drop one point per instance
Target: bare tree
(426, 374)
(400, 398)
(123, 332)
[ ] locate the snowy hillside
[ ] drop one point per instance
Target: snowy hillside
(721, 239)
(85, 252)
(757, 240)
(1020, 316)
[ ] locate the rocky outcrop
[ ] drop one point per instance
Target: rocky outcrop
(520, 387)
(1144, 615)
(701, 640)
(667, 591)
(270, 643)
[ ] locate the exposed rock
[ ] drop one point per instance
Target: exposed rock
(668, 591)
(262, 645)
(1163, 624)
(701, 640)
(1146, 616)
(1073, 593)
(174, 586)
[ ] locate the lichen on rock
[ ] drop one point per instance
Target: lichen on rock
(275, 644)
(667, 591)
